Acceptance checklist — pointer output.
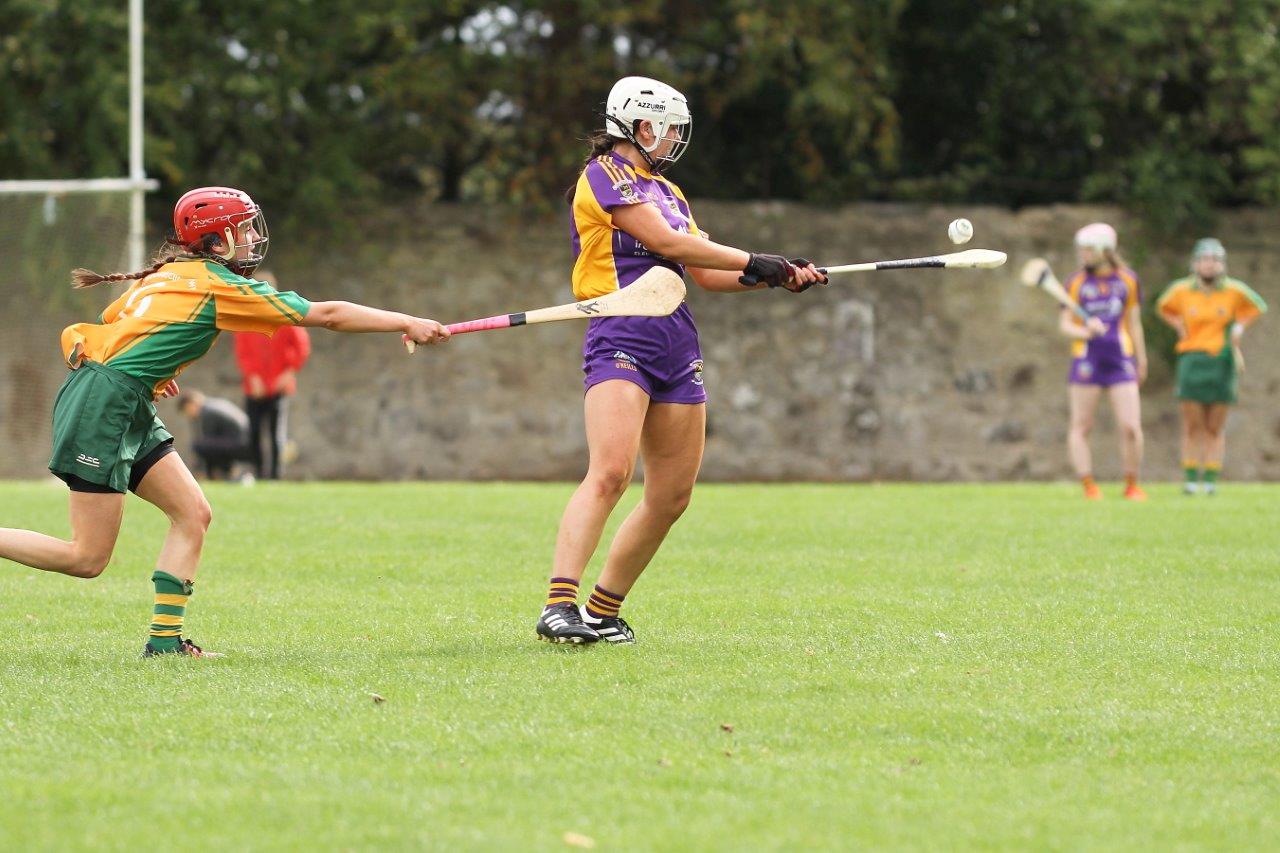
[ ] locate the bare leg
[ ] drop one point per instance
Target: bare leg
(170, 486)
(615, 416)
(1193, 432)
(95, 526)
(674, 436)
(1215, 427)
(1084, 405)
(1127, 406)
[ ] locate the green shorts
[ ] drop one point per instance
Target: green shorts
(1205, 378)
(103, 421)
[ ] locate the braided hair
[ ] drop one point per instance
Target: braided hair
(171, 250)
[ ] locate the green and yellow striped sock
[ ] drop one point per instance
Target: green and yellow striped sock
(1211, 471)
(1191, 469)
(171, 605)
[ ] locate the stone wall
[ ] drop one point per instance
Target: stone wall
(925, 374)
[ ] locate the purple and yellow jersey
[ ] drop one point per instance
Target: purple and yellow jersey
(1108, 298)
(170, 318)
(606, 258)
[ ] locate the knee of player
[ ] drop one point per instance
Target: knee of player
(203, 514)
(89, 565)
(675, 504)
(611, 479)
(196, 517)
(1132, 430)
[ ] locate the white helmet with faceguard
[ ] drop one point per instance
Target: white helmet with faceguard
(636, 99)
(1097, 235)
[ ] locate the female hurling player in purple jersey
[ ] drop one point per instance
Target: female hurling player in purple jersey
(1109, 353)
(643, 375)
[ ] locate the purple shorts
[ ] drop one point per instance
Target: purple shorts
(1103, 372)
(659, 354)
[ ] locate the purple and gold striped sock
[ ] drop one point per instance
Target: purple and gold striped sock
(603, 604)
(562, 591)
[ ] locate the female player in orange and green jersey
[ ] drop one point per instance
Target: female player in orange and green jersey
(1210, 312)
(643, 375)
(1109, 353)
(107, 438)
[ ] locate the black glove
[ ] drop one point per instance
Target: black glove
(773, 270)
(804, 262)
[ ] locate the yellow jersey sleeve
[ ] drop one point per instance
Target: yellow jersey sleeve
(1249, 305)
(246, 305)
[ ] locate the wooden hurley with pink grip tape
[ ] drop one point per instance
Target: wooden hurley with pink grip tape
(657, 293)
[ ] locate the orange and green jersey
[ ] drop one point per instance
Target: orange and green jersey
(170, 318)
(1207, 313)
(1109, 298)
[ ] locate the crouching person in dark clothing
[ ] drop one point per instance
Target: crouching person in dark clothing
(222, 432)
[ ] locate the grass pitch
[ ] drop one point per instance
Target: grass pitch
(818, 666)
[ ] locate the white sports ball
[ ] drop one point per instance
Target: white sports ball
(960, 231)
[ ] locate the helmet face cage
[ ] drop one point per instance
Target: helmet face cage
(1208, 247)
(257, 247)
(232, 242)
(678, 145)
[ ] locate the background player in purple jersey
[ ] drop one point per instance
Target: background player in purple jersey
(644, 386)
(1109, 352)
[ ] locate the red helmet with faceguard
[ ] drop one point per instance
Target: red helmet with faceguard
(222, 212)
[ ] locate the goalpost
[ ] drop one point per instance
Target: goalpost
(48, 227)
(136, 184)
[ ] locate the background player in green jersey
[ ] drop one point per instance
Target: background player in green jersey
(1210, 311)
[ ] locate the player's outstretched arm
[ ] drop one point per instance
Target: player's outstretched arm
(350, 317)
(706, 259)
(645, 223)
(724, 281)
(720, 281)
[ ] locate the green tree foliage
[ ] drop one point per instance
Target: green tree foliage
(322, 106)
(56, 103)
(1170, 108)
